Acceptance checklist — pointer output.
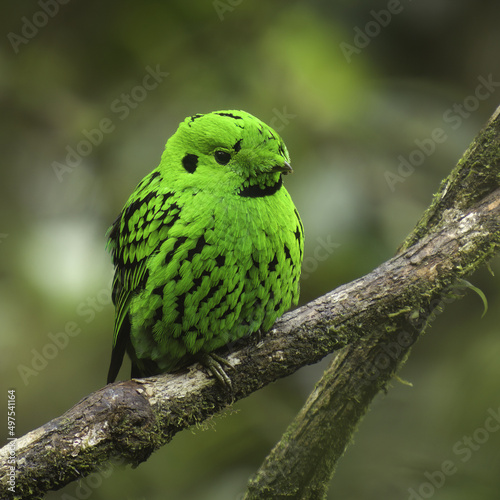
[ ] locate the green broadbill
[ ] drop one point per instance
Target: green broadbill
(209, 246)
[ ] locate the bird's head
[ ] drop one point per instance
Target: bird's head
(227, 150)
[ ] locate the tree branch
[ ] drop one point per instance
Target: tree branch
(458, 232)
(390, 306)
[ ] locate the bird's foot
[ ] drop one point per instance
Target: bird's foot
(213, 363)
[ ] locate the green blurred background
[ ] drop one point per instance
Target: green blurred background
(346, 116)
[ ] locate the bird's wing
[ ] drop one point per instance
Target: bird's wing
(134, 237)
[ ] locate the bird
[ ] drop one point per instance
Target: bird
(207, 249)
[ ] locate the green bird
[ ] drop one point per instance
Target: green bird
(208, 247)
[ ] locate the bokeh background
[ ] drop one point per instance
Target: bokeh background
(351, 88)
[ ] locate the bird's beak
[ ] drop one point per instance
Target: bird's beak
(284, 169)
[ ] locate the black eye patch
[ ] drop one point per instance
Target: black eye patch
(190, 162)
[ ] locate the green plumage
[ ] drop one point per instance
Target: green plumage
(208, 248)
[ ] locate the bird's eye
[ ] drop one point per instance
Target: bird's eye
(222, 157)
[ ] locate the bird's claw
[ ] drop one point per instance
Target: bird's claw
(213, 363)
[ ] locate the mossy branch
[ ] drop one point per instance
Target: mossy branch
(465, 215)
(375, 318)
